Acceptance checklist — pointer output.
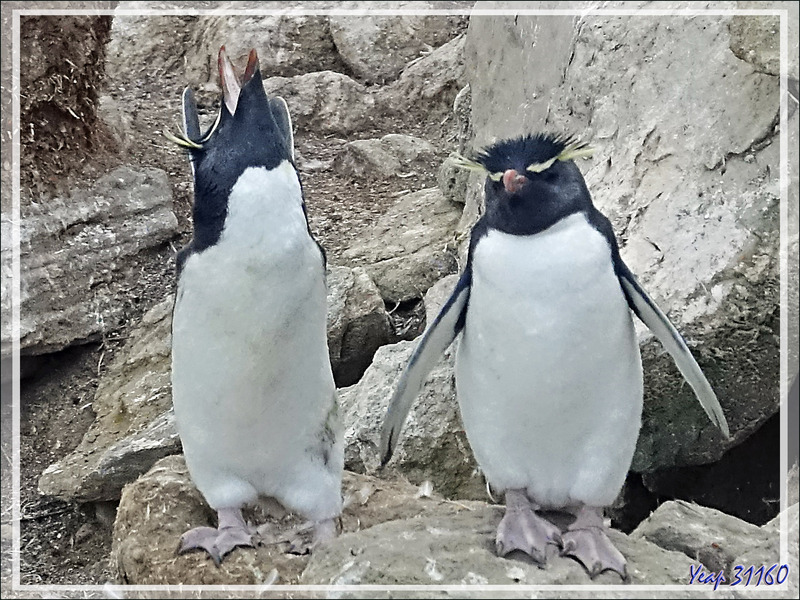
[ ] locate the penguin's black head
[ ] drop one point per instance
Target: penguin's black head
(246, 133)
(251, 130)
(532, 182)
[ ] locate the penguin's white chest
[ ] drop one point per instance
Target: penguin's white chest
(548, 371)
(252, 384)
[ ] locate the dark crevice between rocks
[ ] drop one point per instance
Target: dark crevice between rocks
(406, 319)
(744, 483)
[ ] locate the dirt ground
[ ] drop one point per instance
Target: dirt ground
(69, 544)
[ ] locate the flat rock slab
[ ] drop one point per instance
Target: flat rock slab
(455, 546)
(78, 257)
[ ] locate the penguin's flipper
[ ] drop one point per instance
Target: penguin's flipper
(280, 112)
(652, 316)
(435, 341)
(191, 118)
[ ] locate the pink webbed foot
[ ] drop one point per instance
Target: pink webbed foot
(522, 529)
(231, 533)
(323, 531)
(587, 542)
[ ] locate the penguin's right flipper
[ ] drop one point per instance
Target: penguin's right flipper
(435, 341)
(280, 112)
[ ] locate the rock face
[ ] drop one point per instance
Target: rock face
(134, 424)
(410, 246)
(692, 192)
(378, 48)
(430, 85)
(452, 181)
(79, 255)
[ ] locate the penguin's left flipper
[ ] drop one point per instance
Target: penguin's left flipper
(652, 316)
(280, 113)
(437, 338)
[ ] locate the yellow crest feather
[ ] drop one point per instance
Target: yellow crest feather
(181, 140)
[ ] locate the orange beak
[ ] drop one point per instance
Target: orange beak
(513, 181)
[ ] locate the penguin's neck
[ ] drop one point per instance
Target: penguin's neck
(265, 210)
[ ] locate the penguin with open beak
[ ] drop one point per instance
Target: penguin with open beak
(548, 370)
(254, 395)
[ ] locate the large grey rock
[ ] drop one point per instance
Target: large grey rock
(357, 323)
(134, 425)
(392, 533)
(157, 508)
(324, 102)
(709, 536)
(433, 446)
(692, 192)
(393, 154)
(428, 87)
(287, 44)
(378, 48)
(410, 247)
(78, 257)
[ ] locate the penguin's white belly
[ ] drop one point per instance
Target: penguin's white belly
(253, 390)
(548, 371)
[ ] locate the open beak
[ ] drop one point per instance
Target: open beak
(230, 81)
